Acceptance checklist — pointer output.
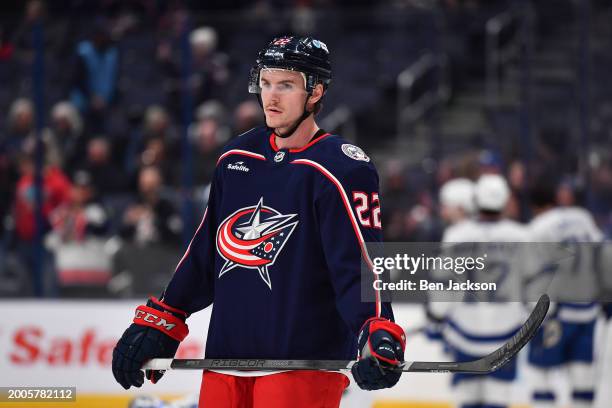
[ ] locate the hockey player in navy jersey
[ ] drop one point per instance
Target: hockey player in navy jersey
(278, 253)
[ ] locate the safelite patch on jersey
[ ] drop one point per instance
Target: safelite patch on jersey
(252, 238)
(355, 152)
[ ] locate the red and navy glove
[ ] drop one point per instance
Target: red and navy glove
(381, 351)
(156, 332)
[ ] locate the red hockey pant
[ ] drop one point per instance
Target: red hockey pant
(291, 389)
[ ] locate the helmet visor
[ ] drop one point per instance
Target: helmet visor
(273, 78)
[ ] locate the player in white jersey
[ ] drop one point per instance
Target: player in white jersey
(566, 340)
(482, 322)
(456, 203)
(457, 200)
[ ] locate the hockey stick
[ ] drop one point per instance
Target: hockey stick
(484, 365)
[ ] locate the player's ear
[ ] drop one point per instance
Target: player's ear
(317, 94)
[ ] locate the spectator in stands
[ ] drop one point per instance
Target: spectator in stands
(56, 36)
(209, 65)
(208, 136)
(395, 186)
(67, 130)
(212, 109)
(107, 178)
(565, 194)
(8, 179)
(157, 153)
(517, 207)
(303, 19)
(12, 141)
(157, 125)
(6, 46)
(22, 36)
(152, 219)
(96, 75)
(517, 175)
(209, 68)
(56, 192)
(248, 114)
(157, 140)
(571, 191)
(21, 135)
(601, 184)
(20, 126)
(422, 222)
(490, 162)
(77, 239)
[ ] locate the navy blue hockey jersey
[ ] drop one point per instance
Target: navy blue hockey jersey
(278, 252)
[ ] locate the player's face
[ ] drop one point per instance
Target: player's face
(283, 94)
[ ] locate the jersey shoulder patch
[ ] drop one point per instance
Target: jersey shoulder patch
(354, 152)
(341, 157)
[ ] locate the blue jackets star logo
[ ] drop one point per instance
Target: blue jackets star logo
(253, 237)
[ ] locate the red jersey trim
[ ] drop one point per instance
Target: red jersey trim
(273, 142)
(353, 220)
(241, 153)
(296, 150)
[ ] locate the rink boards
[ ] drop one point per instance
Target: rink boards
(69, 343)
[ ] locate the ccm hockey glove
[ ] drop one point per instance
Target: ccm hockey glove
(381, 349)
(156, 333)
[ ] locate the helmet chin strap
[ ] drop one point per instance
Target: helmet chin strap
(297, 124)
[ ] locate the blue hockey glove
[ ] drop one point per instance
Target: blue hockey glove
(156, 332)
(381, 350)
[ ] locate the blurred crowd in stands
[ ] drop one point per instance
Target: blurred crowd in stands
(119, 118)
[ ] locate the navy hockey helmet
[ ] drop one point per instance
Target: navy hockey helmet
(302, 54)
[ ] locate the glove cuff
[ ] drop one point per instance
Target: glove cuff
(164, 320)
(375, 324)
(166, 307)
(379, 323)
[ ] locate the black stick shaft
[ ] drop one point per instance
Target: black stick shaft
(486, 364)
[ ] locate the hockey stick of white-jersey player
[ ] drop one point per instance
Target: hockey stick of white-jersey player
(484, 365)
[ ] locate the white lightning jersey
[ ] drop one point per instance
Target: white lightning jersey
(483, 322)
(573, 273)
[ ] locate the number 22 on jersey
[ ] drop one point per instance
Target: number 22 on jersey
(367, 207)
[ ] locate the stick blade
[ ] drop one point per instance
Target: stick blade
(501, 356)
(495, 359)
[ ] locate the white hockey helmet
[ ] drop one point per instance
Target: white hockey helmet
(492, 193)
(458, 193)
